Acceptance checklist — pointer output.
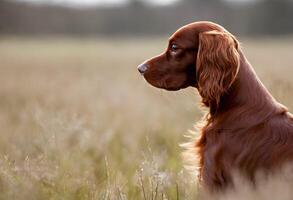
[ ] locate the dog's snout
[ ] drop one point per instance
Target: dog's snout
(142, 68)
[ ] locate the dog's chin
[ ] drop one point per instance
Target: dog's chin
(171, 89)
(176, 88)
(166, 87)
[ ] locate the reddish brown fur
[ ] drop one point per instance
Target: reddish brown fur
(246, 129)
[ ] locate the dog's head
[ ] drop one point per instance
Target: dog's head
(201, 54)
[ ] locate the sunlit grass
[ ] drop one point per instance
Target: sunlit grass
(77, 121)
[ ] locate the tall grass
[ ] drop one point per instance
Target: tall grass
(77, 121)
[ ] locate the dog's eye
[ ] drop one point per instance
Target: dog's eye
(174, 47)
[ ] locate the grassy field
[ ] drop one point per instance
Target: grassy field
(77, 121)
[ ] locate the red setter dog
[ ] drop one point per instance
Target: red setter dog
(246, 129)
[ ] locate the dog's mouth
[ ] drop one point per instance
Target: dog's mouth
(167, 80)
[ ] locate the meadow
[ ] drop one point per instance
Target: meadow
(77, 121)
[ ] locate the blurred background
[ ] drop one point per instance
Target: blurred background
(142, 17)
(77, 121)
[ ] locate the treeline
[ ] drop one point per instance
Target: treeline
(267, 17)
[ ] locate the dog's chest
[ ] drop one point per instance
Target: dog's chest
(245, 152)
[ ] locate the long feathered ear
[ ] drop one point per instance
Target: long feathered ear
(217, 65)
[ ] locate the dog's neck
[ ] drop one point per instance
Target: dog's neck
(248, 98)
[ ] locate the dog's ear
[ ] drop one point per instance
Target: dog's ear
(217, 65)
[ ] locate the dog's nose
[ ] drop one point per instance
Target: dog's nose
(142, 68)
